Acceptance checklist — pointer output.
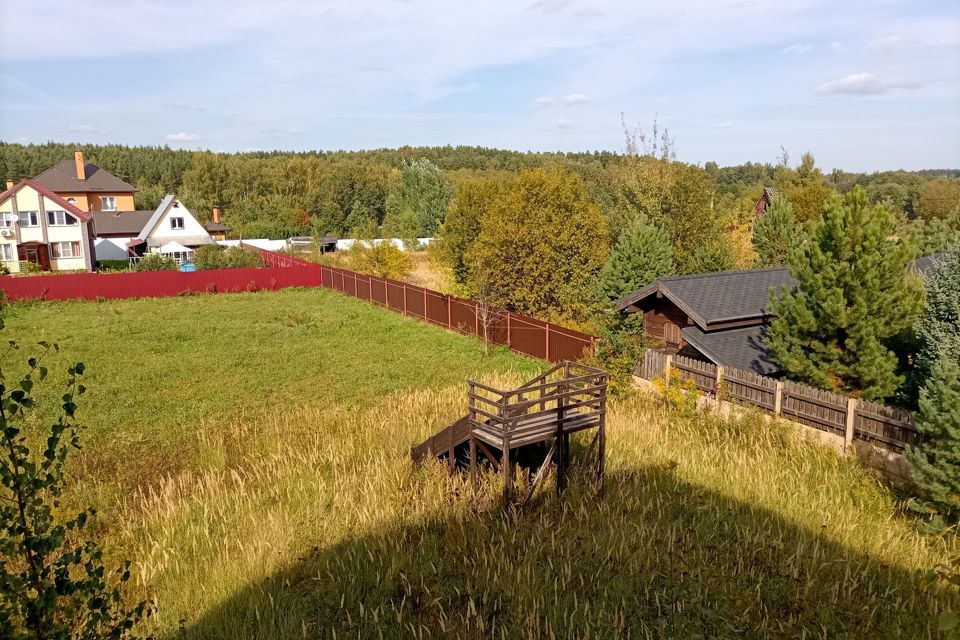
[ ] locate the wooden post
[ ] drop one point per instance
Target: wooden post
(719, 381)
(851, 416)
(508, 330)
(474, 479)
(666, 366)
(507, 469)
(602, 441)
(562, 437)
(778, 398)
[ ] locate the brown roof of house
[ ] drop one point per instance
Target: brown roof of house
(62, 178)
(123, 223)
(216, 227)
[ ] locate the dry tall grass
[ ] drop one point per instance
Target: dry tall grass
(314, 523)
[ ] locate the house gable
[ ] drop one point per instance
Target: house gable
(161, 227)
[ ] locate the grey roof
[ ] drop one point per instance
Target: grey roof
(926, 264)
(122, 223)
(736, 348)
(718, 298)
(62, 178)
(155, 217)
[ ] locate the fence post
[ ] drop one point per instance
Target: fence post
(449, 308)
(546, 353)
(667, 362)
(778, 398)
(718, 381)
(851, 415)
(404, 298)
(425, 317)
(508, 329)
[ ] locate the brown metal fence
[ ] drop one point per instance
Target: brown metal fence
(849, 418)
(523, 334)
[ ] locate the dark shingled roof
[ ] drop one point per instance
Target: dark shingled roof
(926, 264)
(62, 178)
(216, 227)
(123, 223)
(735, 348)
(717, 298)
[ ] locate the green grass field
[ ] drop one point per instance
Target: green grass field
(250, 453)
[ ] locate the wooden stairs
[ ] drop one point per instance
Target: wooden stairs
(507, 427)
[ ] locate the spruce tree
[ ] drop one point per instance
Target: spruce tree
(643, 254)
(713, 254)
(853, 295)
(938, 330)
(776, 234)
(936, 461)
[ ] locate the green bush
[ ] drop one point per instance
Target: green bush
(27, 267)
(156, 262)
(113, 265)
(384, 260)
(214, 256)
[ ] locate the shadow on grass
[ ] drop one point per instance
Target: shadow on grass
(654, 557)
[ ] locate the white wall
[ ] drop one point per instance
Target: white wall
(260, 243)
(346, 243)
(162, 233)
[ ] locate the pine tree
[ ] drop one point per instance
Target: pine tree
(776, 234)
(938, 330)
(643, 254)
(853, 295)
(713, 254)
(936, 461)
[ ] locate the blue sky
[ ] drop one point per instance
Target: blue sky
(862, 85)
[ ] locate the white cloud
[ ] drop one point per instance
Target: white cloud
(798, 49)
(838, 47)
(565, 124)
(544, 101)
(865, 84)
(182, 137)
(575, 98)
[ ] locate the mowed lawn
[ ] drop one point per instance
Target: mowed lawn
(157, 368)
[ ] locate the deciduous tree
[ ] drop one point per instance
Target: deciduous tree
(418, 201)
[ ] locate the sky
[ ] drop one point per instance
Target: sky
(863, 85)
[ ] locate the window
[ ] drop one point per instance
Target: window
(66, 249)
(176, 223)
(7, 220)
(108, 203)
(6, 252)
(60, 218)
(29, 218)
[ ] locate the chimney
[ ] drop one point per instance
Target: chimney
(78, 159)
(216, 213)
(9, 184)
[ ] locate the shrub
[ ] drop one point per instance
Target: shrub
(209, 256)
(27, 267)
(113, 265)
(156, 262)
(53, 583)
(383, 259)
(680, 395)
(214, 256)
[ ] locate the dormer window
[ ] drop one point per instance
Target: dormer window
(176, 223)
(108, 203)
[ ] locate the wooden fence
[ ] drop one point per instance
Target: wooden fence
(520, 333)
(849, 418)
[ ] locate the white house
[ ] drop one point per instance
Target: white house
(170, 230)
(38, 226)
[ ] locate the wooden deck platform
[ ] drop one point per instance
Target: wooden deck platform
(501, 423)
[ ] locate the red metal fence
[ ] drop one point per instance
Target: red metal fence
(154, 284)
(523, 334)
